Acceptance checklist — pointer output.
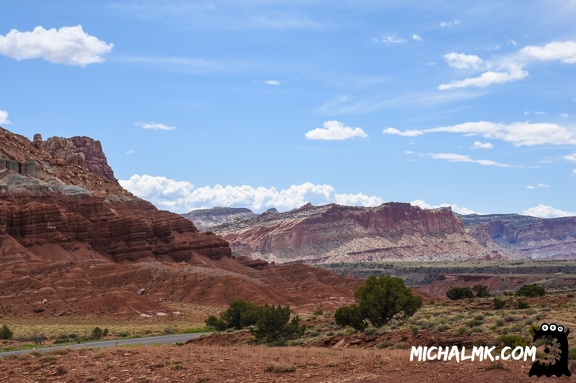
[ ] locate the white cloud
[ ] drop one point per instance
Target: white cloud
(67, 45)
(574, 172)
(517, 133)
(334, 130)
(463, 61)
(570, 157)
(416, 37)
(390, 40)
(538, 186)
(543, 211)
(406, 133)
(449, 24)
(182, 197)
(555, 51)
(455, 208)
(272, 82)
(482, 145)
(154, 126)
(508, 74)
(453, 157)
(131, 152)
(4, 117)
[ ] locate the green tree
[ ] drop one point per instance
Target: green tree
(379, 300)
(5, 332)
(481, 291)
(459, 293)
(274, 325)
(241, 313)
(532, 290)
(350, 316)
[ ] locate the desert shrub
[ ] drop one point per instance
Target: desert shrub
(274, 325)
(460, 331)
(474, 323)
(521, 304)
(350, 316)
(532, 290)
(5, 332)
(380, 300)
(97, 333)
(456, 293)
(499, 303)
(240, 313)
(442, 328)
(215, 323)
(572, 354)
(481, 291)
(277, 369)
(370, 331)
(38, 338)
(513, 340)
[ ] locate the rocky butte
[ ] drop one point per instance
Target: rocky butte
(72, 240)
(334, 233)
(62, 191)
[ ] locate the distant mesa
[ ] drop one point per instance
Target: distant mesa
(392, 231)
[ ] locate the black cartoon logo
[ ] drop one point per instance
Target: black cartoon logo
(551, 351)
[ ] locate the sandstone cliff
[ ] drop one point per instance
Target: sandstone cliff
(67, 194)
(524, 237)
(334, 233)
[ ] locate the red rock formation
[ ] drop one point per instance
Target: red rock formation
(334, 233)
(524, 237)
(69, 236)
(73, 198)
(94, 156)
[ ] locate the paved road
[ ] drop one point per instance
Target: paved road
(164, 339)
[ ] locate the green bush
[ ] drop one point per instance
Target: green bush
(520, 304)
(456, 293)
(5, 332)
(241, 313)
(513, 340)
(350, 316)
(274, 326)
(481, 291)
(499, 303)
(532, 290)
(97, 333)
(380, 300)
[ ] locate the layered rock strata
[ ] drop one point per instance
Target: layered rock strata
(334, 233)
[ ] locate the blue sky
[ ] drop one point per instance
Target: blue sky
(262, 103)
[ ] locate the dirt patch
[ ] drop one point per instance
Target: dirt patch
(198, 363)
